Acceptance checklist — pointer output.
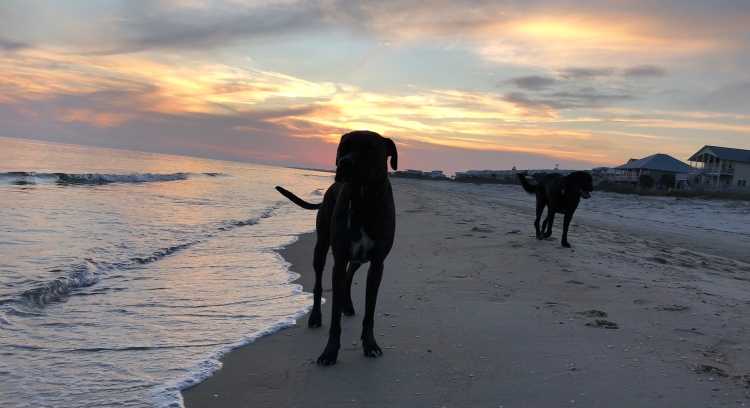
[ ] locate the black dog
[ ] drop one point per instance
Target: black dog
(357, 218)
(560, 194)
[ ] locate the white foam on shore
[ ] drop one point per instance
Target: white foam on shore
(170, 395)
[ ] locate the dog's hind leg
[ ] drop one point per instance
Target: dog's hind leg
(319, 264)
(548, 223)
(331, 352)
(539, 210)
(374, 276)
(566, 223)
(348, 305)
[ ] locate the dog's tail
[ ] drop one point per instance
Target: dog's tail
(296, 200)
(530, 188)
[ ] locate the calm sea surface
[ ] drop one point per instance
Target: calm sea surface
(124, 276)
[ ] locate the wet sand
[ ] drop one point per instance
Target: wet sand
(473, 311)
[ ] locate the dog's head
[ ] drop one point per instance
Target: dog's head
(579, 183)
(362, 155)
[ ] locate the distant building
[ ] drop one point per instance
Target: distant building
(489, 174)
(507, 174)
(419, 174)
(600, 174)
(655, 166)
(719, 168)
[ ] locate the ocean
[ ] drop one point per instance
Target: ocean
(125, 276)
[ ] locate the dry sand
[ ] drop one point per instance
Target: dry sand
(473, 311)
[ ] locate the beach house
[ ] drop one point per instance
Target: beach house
(601, 174)
(654, 166)
(435, 174)
(508, 174)
(718, 168)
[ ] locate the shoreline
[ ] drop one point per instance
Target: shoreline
(473, 311)
(170, 394)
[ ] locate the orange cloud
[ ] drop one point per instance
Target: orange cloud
(124, 88)
(101, 120)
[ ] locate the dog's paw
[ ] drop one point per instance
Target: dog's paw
(539, 236)
(315, 320)
(566, 244)
(349, 309)
(547, 234)
(371, 349)
(329, 356)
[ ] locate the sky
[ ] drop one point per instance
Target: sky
(457, 85)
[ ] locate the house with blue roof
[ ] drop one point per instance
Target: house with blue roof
(655, 166)
(720, 169)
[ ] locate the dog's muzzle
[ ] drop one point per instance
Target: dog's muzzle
(346, 171)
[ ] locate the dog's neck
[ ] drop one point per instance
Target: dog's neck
(369, 192)
(362, 197)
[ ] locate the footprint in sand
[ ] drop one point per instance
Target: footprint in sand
(574, 282)
(602, 323)
(594, 313)
(671, 308)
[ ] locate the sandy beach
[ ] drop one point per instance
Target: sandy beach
(473, 311)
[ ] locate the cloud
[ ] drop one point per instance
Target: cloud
(537, 107)
(644, 71)
(510, 31)
(149, 25)
(583, 74)
(546, 104)
(7, 45)
(261, 111)
(532, 82)
(731, 97)
(151, 72)
(588, 97)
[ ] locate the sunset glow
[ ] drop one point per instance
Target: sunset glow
(278, 83)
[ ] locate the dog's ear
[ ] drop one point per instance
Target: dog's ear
(392, 152)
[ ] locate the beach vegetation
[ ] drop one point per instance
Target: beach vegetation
(611, 188)
(645, 181)
(667, 180)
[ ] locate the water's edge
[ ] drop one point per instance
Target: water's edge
(170, 395)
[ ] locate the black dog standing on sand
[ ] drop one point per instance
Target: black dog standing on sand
(357, 218)
(561, 195)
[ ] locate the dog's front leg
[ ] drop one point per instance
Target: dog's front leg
(348, 305)
(566, 223)
(331, 351)
(319, 264)
(374, 276)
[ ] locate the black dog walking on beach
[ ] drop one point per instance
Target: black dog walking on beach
(561, 195)
(357, 219)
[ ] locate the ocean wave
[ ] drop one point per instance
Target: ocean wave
(32, 178)
(4, 319)
(89, 272)
(78, 276)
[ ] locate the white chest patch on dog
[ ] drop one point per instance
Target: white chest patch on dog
(360, 248)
